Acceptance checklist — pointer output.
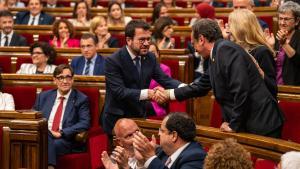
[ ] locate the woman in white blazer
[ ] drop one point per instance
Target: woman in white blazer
(6, 100)
(43, 56)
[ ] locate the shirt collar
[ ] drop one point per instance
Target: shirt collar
(175, 155)
(9, 35)
(130, 53)
(93, 60)
(35, 17)
(65, 96)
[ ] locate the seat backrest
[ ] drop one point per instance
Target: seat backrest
(29, 38)
(5, 64)
(21, 60)
(173, 65)
(291, 125)
(216, 115)
(93, 95)
(24, 96)
(121, 38)
(61, 60)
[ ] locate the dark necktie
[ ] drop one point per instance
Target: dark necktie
(87, 68)
(137, 64)
(57, 117)
(32, 22)
(6, 41)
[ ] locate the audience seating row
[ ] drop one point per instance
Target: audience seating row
(178, 60)
(181, 15)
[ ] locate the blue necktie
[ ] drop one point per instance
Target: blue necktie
(87, 68)
(137, 64)
(32, 22)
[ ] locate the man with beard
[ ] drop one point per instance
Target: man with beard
(8, 36)
(128, 74)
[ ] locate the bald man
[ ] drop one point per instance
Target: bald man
(249, 4)
(123, 154)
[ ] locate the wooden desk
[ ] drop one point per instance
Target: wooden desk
(25, 140)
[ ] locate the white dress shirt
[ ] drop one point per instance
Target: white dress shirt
(6, 101)
(3, 39)
(54, 108)
(29, 68)
(92, 65)
(173, 157)
(36, 19)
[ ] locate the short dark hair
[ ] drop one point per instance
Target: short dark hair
(60, 68)
(207, 28)
(6, 13)
(183, 124)
(48, 50)
(88, 36)
(160, 25)
(132, 25)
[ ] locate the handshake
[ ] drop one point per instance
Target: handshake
(159, 94)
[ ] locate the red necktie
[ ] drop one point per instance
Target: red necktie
(57, 117)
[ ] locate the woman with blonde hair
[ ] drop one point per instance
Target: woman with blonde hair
(246, 32)
(100, 30)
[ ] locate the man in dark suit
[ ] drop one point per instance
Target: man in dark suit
(178, 149)
(128, 74)
(34, 15)
(246, 103)
(90, 63)
(67, 112)
(7, 36)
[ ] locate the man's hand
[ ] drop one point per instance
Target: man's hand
(161, 95)
(120, 156)
(55, 134)
(107, 162)
(225, 127)
(145, 147)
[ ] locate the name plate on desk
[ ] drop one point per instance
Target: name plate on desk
(20, 114)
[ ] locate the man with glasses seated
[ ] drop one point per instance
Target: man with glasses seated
(90, 63)
(67, 112)
(128, 73)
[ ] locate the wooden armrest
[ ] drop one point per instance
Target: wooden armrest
(81, 137)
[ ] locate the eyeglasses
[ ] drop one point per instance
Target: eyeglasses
(285, 19)
(143, 40)
(62, 78)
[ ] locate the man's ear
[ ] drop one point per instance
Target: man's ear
(174, 136)
(201, 39)
(128, 40)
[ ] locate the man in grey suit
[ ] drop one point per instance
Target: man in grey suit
(246, 103)
(7, 36)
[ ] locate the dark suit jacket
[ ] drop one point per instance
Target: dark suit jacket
(16, 40)
(77, 114)
(246, 103)
(192, 157)
(78, 65)
(123, 86)
(23, 18)
(291, 66)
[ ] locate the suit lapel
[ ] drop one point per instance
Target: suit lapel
(50, 103)
(129, 65)
(41, 19)
(69, 106)
(13, 40)
(81, 65)
(97, 67)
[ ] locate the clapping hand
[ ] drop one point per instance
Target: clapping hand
(282, 36)
(225, 127)
(144, 147)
